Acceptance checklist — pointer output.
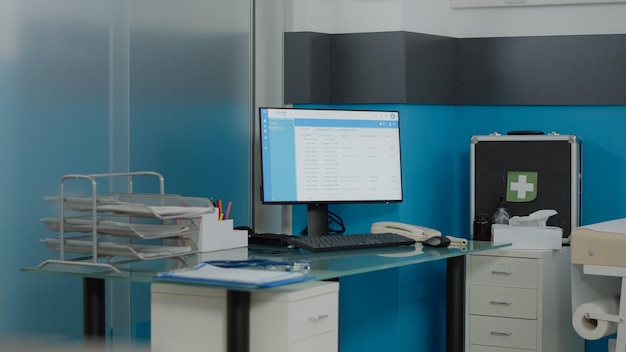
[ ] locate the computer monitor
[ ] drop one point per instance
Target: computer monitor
(321, 156)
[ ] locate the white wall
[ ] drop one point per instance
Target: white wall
(541, 20)
(437, 17)
(272, 19)
(353, 16)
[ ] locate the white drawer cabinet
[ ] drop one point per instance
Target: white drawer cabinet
(293, 318)
(520, 300)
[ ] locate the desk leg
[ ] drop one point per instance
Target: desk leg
(455, 312)
(238, 321)
(93, 309)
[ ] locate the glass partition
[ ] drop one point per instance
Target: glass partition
(91, 86)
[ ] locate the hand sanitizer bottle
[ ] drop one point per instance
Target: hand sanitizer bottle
(501, 216)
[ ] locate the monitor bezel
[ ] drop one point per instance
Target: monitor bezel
(321, 202)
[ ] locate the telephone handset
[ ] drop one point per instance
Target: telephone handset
(418, 233)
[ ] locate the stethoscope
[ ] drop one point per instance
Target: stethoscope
(302, 266)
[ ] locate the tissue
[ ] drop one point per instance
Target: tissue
(537, 219)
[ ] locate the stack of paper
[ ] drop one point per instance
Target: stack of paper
(211, 274)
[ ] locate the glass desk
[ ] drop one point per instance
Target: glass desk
(324, 266)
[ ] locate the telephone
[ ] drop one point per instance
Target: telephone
(418, 233)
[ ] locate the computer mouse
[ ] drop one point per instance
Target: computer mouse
(436, 241)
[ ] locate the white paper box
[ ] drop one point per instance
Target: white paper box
(215, 235)
(527, 237)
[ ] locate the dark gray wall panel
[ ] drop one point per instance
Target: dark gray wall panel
(368, 68)
(307, 67)
(430, 69)
(385, 67)
(554, 70)
(392, 67)
(404, 67)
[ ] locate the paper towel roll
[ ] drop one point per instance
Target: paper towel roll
(592, 329)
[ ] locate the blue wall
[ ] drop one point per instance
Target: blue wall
(435, 156)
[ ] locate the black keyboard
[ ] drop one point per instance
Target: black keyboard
(345, 242)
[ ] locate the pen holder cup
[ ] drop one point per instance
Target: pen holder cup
(215, 234)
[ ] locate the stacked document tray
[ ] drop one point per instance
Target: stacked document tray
(105, 230)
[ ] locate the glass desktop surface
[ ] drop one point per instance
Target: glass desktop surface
(324, 265)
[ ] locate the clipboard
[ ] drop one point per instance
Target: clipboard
(251, 278)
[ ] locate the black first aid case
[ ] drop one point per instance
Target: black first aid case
(531, 172)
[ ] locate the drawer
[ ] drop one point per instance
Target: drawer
(503, 332)
(327, 342)
(313, 316)
(503, 301)
(479, 348)
(504, 271)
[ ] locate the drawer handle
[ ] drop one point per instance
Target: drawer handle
(318, 318)
(502, 333)
(502, 272)
(501, 302)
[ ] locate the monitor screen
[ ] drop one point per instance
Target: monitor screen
(319, 156)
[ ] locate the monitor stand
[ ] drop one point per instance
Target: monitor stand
(317, 219)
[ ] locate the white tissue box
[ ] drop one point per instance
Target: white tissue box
(528, 237)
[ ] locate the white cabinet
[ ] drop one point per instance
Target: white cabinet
(292, 318)
(520, 300)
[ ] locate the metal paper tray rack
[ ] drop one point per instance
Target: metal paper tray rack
(97, 230)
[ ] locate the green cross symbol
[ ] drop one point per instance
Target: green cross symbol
(521, 186)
